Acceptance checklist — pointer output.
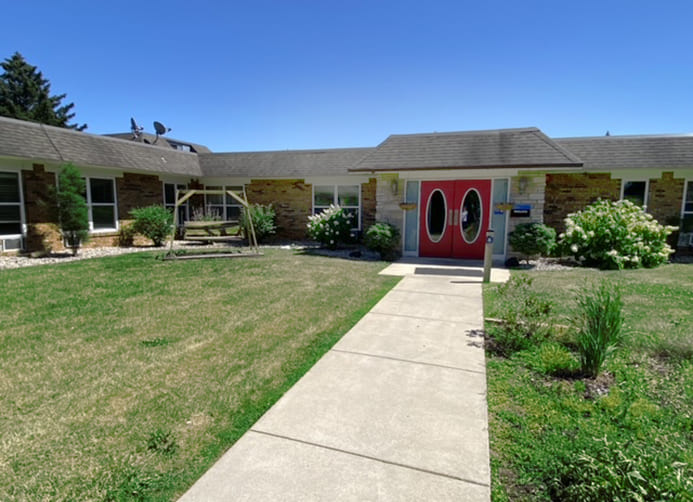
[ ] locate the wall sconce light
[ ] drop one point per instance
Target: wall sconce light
(394, 187)
(522, 184)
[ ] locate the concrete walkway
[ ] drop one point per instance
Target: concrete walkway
(395, 411)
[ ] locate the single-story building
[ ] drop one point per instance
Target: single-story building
(443, 190)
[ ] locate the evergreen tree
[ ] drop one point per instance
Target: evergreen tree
(73, 213)
(25, 95)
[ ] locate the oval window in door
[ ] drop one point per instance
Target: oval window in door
(436, 215)
(471, 215)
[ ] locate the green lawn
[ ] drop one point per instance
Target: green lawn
(126, 377)
(628, 434)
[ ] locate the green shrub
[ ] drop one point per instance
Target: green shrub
(126, 236)
(555, 360)
(598, 319)
(385, 239)
(154, 222)
(615, 235)
(524, 316)
(263, 218)
(332, 227)
(73, 213)
(532, 239)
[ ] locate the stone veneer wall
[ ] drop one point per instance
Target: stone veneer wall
(532, 194)
(368, 203)
(387, 205)
(292, 201)
(567, 193)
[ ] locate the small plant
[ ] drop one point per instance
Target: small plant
(598, 319)
(385, 239)
(73, 213)
(532, 239)
(263, 218)
(332, 227)
(612, 470)
(162, 441)
(524, 316)
(555, 360)
(199, 213)
(154, 222)
(615, 235)
(155, 342)
(126, 236)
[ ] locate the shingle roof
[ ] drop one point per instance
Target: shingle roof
(526, 147)
(46, 143)
(284, 163)
(606, 152)
(162, 141)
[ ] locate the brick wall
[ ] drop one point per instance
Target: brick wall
(292, 201)
(137, 190)
(368, 203)
(43, 233)
(664, 198)
(567, 193)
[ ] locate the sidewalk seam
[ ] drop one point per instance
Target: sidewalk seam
(368, 457)
(377, 356)
(420, 317)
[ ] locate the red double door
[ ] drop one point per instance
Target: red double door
(454, 217)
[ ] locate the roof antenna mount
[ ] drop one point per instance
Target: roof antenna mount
(160, 129)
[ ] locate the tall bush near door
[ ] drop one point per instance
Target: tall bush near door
(73, 213)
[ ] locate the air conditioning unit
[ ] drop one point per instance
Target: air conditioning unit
(11, 244)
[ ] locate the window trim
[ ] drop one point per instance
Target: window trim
(687, 185)
(91, 205)
(335, 200)
(172, 206)
(646, 199)
(20, 203)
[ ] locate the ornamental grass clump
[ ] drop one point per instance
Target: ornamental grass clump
(598, 319)
(615, 235)
(332, 227)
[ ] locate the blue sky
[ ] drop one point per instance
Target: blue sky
(268, 75)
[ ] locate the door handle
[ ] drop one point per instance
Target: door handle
(451, 222)
(454, 218)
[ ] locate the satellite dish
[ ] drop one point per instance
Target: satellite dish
(136, 130)
(160, 129)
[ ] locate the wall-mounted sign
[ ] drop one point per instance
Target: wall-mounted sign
(521, 211)
(503, 206)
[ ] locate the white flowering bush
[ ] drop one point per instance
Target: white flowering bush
(615, 235)
(332, 227)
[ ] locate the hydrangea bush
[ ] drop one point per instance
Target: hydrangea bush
(615, 235)
(332, 227)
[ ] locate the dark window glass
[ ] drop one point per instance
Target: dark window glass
(9, 187)
(102, 191)
(634, 191)
(436, 215)
(103, 217)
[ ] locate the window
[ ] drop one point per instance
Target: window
(635, 191)
(170, 201)
(688, 200)
(10, 204)
(102, 204)
(348, 197)
(225, 206)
